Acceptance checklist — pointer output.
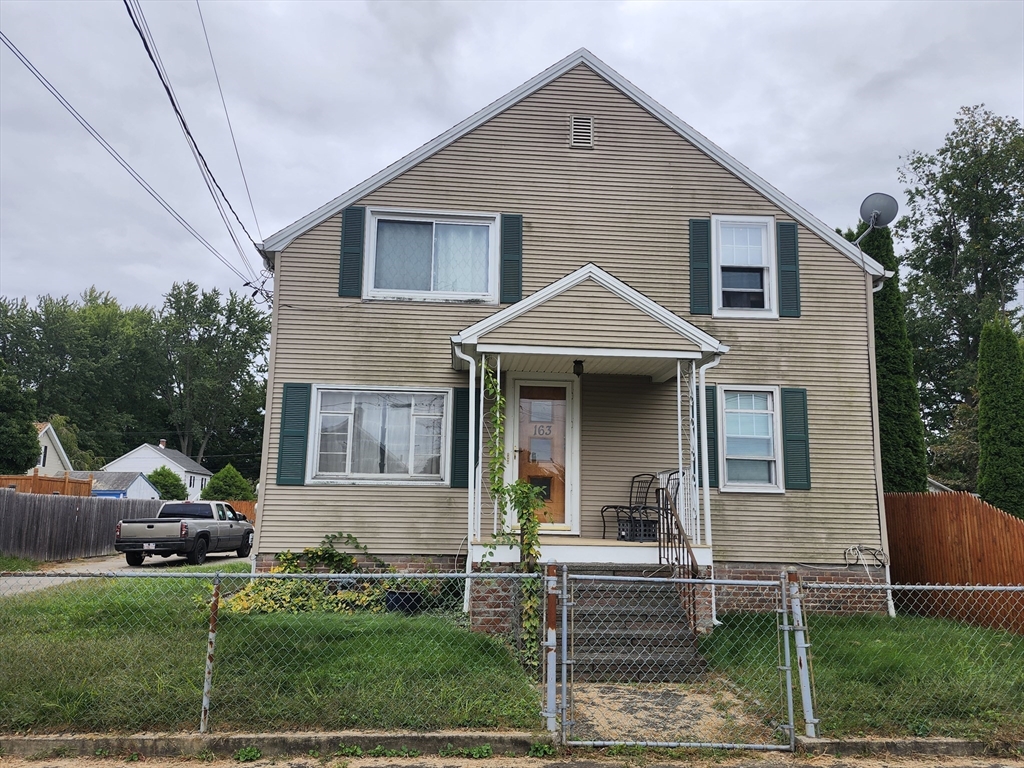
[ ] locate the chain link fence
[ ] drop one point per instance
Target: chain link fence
(648, 666)
(128, 652)
(949, 661)
(604, 660)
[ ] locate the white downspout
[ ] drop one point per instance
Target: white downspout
(704, 471)
(471, 503)
(679, 428)
(706, 476)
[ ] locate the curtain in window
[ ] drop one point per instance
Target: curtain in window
(461, 258)
(381, 434)
(403, 255)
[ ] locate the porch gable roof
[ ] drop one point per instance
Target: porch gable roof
(589, 311)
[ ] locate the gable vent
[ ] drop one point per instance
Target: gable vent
(581, 131)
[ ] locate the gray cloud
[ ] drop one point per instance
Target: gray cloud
(821, 99)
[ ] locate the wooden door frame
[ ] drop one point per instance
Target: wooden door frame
(515, 380)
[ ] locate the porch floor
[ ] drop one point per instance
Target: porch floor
(577, 549)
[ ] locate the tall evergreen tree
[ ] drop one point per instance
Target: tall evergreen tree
(1001, 417)
(901, 430)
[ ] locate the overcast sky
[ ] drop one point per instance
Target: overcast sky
(821, 99)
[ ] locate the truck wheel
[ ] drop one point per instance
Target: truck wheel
(246, 548)
(134, 558)
(198, 554)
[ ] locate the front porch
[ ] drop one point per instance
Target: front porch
(580, 550)
(600, 384)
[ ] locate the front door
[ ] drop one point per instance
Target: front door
(544, 447)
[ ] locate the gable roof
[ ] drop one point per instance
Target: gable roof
(688, 332)
(113, 481)
(280, 240)
(172, 456)
(45, 426)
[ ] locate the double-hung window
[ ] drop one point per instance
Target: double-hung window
(744, 266)
(379, 434)
(432, 256)
(752, 441)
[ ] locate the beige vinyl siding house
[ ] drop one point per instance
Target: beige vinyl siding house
(618, 213)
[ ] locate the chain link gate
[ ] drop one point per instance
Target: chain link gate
(663, 662)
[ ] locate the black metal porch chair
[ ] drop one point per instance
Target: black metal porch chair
(637, 520)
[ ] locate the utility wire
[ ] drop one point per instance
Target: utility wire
(113, 153)
(141, 26)
(231, 130)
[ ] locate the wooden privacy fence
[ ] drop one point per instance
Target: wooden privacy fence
(956, 538)
(247, 508)
(61, 527)
(36, 483)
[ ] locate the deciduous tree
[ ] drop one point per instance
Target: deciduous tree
(19, 438)
(965, 228)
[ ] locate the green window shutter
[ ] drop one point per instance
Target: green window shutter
(350, 276)
(795, 443)
(789, 269)
(700, 266)
(511, 258)
(460, 438)
(712, 401)
(291, 451)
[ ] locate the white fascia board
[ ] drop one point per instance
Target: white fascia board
(537, 349)
(591, 271)
(280, 240)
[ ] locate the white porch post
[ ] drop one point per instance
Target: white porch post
(470, 495)
(679, 431)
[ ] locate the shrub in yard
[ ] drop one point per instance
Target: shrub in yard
(168, 483)
(300, 596)
(228, 484)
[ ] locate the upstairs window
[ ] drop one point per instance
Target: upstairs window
(432, 256)
(744, 267)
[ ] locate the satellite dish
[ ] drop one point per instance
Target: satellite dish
(878, 209)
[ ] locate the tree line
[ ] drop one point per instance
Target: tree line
(949, 344)
(110, 377)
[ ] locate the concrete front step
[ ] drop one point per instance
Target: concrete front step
(632, 631)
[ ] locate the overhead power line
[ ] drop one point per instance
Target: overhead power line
(138, 20)
(113, 153)
(231, 129)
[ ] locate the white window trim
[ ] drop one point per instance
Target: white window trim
(723, 470)
(313, 439)
(771, 311)
(373, 214)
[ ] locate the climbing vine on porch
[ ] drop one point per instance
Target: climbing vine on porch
(525, 500)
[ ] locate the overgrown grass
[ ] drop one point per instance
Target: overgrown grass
(903, 676)
(12, 563)
(129, 654)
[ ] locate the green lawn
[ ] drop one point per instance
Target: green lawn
(894, 676)
(12, 563)
(127, 655)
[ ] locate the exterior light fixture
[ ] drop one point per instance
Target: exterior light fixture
(577, 367)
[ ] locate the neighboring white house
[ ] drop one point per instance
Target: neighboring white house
(119, 485)
(52, 458)
(148, 457)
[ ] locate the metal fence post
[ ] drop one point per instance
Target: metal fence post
(787, 666)
(211, 642)
(563, 710)
(550, 647)
(810, 723)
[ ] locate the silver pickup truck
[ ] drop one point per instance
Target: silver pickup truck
(189, 528)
